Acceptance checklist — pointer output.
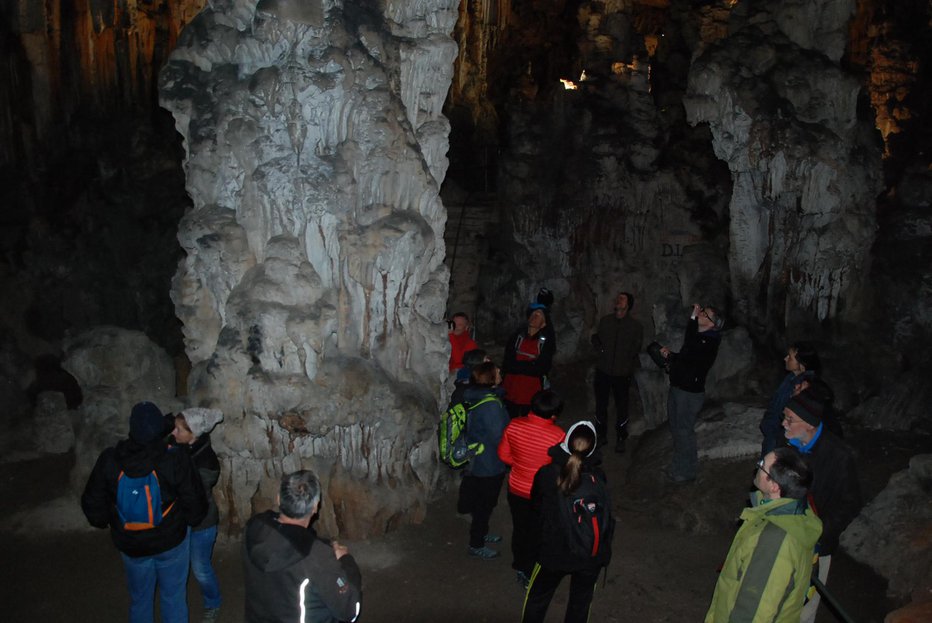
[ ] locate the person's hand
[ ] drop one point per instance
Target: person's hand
(665, 351)
(696, 309)
(339, 550)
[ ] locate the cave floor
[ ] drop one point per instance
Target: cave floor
(659, 572)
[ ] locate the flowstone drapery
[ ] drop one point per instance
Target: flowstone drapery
(313, 290)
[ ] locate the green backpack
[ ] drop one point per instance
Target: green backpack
(451, 434)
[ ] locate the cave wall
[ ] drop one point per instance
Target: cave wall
(806, 169)
(90, 187)
(724, 152)
(313, 289)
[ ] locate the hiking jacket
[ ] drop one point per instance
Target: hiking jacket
(527, 361)
(292, 575)
(766, 574)
(459, 346)
(524, 446)
(835, 490)
(208, 468)
(485, 424)
(554, 550)
(690, 366)
(179, 483)
(619, 341)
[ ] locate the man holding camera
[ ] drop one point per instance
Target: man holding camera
(688, 371)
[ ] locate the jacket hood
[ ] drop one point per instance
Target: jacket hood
(273, 546)
(565, 445)
(137, 459)
(791, 515)
(475, 393)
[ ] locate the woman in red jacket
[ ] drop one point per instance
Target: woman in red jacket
(524, 447)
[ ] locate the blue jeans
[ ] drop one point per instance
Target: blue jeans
(202, 548)
(682, 409)
(170, 570)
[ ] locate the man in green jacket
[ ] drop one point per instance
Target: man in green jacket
(766, 574)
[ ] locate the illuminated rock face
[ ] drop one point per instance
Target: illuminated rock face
(313, 290)
(806, 170)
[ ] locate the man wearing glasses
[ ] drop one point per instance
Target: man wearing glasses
(688, 370)
(766, 574)
(836, 493)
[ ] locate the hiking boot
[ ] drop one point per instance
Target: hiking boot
(485, 553)
(211, 615)
(493, 538)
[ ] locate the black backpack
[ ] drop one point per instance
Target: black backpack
(587, 521)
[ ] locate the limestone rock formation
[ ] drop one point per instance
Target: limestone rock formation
(806, 170)
(116, 368)
(313, 290)
(891, 535)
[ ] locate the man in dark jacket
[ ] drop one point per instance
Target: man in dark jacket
(157, 554)
(291, 574)
(836, 493)
(618, 341)
(688, 370)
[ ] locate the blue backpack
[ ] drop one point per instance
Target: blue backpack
(139, 501)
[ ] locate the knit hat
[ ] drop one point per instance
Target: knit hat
(146, 423)
(565, 444)
(202, 421)
(807, 408)
(472, 358)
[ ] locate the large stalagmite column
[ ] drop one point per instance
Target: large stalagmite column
(313, 290)
(806, 170)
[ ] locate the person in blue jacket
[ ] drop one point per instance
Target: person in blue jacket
(484, 474)
(802, 365)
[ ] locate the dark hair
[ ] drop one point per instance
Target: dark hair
(460, 315)
(472, 358)
(483, 374)
(546, 403)
(298, 494)
(630, 299)
(580, 444)
(791, 473)
(806, 354)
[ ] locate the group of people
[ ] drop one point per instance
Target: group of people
(154, 490)
(806, 490)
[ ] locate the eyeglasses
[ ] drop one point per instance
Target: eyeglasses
(760, 466)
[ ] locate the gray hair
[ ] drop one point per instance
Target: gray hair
(298, 494)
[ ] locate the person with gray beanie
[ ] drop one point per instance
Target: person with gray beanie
(192, 432)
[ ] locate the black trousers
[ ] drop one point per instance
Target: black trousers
(544, 583)
(479, 496)
(525, 530)
(616, 386)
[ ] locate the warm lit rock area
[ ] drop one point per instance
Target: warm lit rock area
(243, 205)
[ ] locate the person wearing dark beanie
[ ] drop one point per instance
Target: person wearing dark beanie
(153, 541)
(835, 491)
(146, 423)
